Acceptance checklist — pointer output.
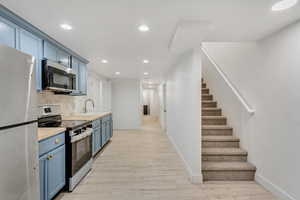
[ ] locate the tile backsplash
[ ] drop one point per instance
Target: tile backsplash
(98, 89)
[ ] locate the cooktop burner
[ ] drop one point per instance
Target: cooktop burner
(73, 124)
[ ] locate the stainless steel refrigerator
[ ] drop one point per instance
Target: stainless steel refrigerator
(18, 127)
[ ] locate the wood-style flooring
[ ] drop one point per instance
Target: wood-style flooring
(143, 165)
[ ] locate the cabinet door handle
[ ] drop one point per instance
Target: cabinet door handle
(50, 157)
(57, 141)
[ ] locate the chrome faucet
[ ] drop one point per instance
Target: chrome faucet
(86, 101)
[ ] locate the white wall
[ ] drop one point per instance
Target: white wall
(162, 106)
(267, 74)
(126, 104)
(183, 111)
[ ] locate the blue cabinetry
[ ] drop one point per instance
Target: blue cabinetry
(53, 53)
(97, 140)
(83, 78)
(50, 51)
(17, 33)
(63, 58)
(30, 44)
(43, 178)
(8, 33)
(52, 166)
(102, 132)
(56, 171)
(80, 70)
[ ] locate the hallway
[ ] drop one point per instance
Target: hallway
(143, 165)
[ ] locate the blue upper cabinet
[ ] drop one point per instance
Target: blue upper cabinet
(30, 44)
(8, 33)
(50, 51)
(55, 54)
(63, 58)
(17, 33)
(80, 70)
(83, 78)
(75, 68)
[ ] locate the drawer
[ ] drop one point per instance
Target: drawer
(51, 143)
(96, 123)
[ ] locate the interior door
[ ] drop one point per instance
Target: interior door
(19, 163)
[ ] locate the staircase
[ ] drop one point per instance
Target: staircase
(222, 158)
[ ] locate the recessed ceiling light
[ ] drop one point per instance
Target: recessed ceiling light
(146, 61)
(284, 4)
(146, 73)
(66, 27)
(118, 73)
(104, 61)
(144, 28)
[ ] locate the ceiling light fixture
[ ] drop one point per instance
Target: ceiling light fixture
(118, 73)
(146, 73)
(104, 61)
(284, 4)
(66, 27)
(144, 28)
(146, 61)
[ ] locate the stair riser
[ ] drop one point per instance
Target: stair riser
(224, 158)
(214, 121)
(207, 98)
(205, 91)
(207, 144)
(211, 112)
(228, 175)
(217, 132)
(209, 104)
(203, 85)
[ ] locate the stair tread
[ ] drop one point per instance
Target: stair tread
(223, 151)
(209, 101)
(227, 166)
(211, 108)
(213, 117)
(216, 127)
(221, 138)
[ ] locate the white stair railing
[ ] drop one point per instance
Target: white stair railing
(243, 101)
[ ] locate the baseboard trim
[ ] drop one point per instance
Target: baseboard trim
(277, 191)
(193, 178)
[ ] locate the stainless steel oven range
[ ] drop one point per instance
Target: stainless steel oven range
(78, 143)
(79, 151)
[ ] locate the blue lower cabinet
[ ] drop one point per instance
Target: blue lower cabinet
(43, 178)
(52, 164)
(97, 140)
(94, 144)
(103, 132)
(56, 175)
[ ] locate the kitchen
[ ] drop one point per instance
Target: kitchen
(146, 99)
(57, 113)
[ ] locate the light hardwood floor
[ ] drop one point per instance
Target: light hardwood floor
(143, 165)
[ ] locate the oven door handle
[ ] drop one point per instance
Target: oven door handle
(81, 136)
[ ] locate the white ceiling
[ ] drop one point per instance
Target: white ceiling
(107, 29)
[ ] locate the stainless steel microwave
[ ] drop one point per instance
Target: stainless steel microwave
(57, 77)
